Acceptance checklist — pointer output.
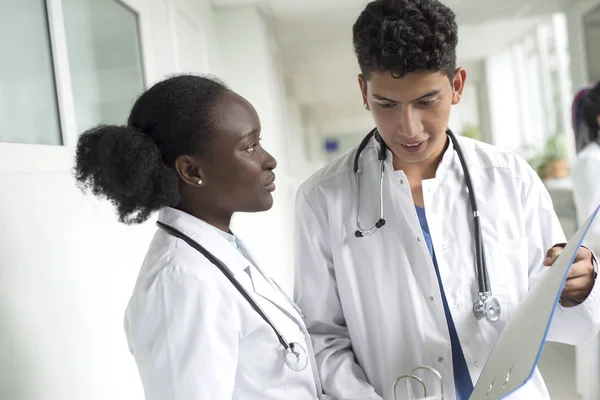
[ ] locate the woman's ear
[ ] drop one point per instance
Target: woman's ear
(189, 170)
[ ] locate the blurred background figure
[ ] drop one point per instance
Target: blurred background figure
(586, 194)
(586, 168)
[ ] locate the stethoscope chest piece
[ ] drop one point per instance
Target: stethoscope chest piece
(296, 357)
(488, 307)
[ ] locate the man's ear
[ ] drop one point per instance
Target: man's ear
(458, 84)
(362, 83)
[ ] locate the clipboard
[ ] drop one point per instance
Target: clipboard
(513, 360)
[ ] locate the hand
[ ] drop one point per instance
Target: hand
(581, 278)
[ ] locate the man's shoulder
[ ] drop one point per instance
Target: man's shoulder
(485, 156)
(339, 169)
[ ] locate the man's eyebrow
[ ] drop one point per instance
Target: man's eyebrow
(431, 93)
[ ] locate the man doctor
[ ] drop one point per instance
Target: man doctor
(379, 305)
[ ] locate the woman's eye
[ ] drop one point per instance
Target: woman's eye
(427, 102)
(252, 148)
(386, 105)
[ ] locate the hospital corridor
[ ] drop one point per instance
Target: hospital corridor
(290, 254)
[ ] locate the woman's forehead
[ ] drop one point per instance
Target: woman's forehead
(236, 117)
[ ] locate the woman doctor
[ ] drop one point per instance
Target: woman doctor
(191, 151)
(387, 256)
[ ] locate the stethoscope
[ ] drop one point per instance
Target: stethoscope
(295, 356)
(486, 305)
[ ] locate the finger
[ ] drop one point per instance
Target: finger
(569, 302)
(552, 255)
(574, 286)
(583, 254)
(575, 294)
(580, 269)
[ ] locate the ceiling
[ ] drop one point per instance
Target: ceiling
(314, 38)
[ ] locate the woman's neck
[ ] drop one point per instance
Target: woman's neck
(219, 219)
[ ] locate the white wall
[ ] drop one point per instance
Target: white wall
(260, 81)
(67, 267)
(580, 74)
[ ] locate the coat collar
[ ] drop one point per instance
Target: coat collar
(238, 262)
(207, 236)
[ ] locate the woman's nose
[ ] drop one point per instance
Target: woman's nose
(270, 162)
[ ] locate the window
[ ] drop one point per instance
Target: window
(66, 65)
(530, 89)
(105, 61)
(591, 23)
(28, 98)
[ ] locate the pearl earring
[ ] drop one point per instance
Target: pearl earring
(199, 181)
(366, 106)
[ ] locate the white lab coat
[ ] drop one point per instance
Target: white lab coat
(373, 304)
(194, 336)
(585, 175)
(586, 194)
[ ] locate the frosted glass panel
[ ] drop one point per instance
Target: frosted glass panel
(28, 103)
(591, 26)
(104, 50)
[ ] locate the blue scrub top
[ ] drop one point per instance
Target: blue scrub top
(462, 379)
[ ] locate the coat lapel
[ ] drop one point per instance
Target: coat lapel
(266, 288)
(240, 264)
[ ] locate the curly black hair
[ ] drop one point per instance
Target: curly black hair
(403, 36)
(133, 165)
(591, 111)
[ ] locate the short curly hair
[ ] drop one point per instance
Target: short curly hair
(133, 165)
(404, 36)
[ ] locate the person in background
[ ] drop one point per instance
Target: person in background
(191, 152)
(585, 172)
(585, 178)
(580, 129)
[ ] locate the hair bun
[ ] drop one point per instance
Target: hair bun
(125, 165)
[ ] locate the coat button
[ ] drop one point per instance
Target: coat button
(476, 364)
(444, 247)
(431, 298)
(418, 239)
(440, 359)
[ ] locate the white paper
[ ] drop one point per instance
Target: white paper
(516, 354)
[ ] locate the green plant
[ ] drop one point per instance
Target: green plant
(470, 131)
(555, 149)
